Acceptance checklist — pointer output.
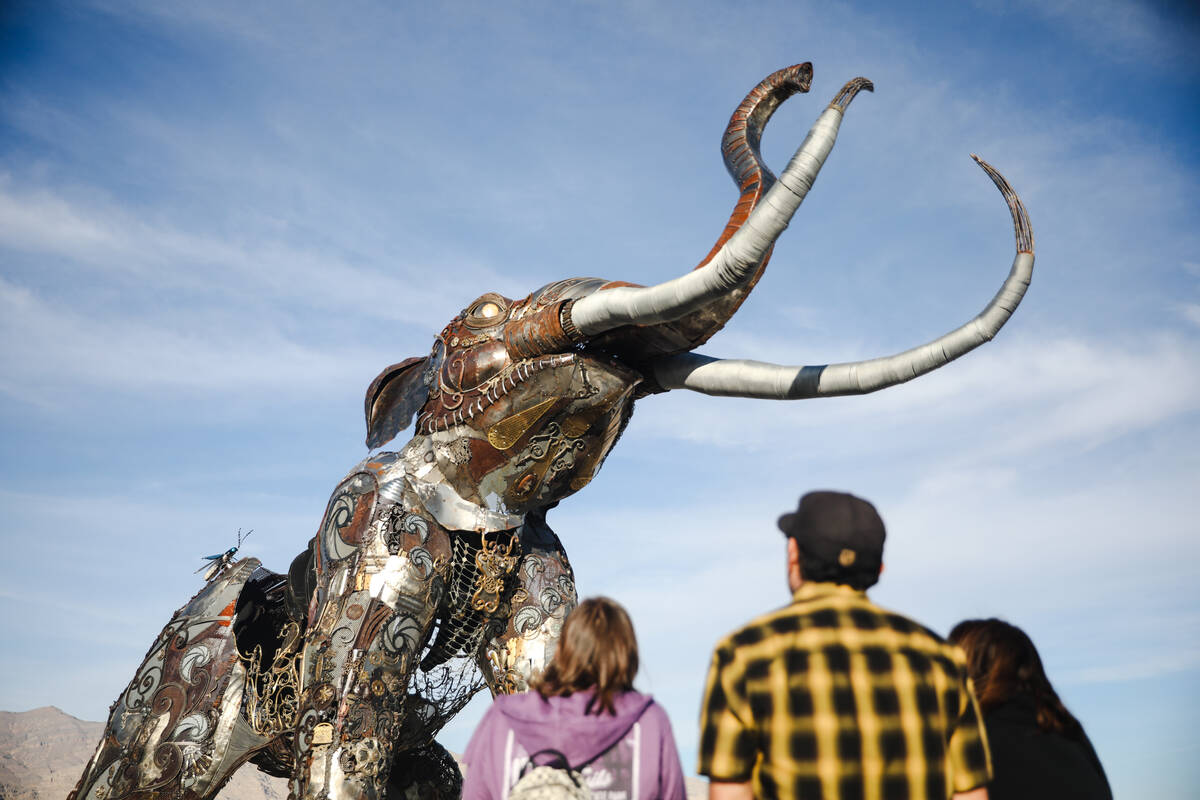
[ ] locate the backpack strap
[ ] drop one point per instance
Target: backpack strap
(559, 761)
(579, 767)
(556, 760)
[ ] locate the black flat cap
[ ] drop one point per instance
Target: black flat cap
(837, 532)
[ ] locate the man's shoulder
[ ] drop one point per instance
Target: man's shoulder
(906, 624)
(847, 612)
(904, 631)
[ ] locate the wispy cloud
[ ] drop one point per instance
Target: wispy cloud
(110, 237)
(53, 353)
(1125, 30)
(1158, 665)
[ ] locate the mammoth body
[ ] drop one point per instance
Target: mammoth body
(433, 572)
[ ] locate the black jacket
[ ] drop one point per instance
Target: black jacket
(1030, 764)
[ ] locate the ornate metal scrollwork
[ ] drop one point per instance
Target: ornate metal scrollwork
(495, 563)
(400, 637)
(273, 693)
(400, 526)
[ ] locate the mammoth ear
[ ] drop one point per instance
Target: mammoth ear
(393, 398)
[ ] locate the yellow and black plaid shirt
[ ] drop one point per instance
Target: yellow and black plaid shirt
(834, 697)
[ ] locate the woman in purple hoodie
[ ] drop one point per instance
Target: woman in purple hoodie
(585, 708)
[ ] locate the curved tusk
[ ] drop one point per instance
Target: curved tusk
(736, 262)
(740, 378)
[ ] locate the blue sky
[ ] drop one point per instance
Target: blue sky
(217, 223)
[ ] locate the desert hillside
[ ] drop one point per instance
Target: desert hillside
(43, 752)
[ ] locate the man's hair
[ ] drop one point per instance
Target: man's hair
(1003, 663)
(597, 652)
(829, 572)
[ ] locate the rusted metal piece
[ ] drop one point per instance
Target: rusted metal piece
(542, 331)
(741, 147)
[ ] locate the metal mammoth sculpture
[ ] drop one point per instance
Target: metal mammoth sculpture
(433, 571)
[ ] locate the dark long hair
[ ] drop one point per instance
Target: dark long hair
(597, 651)
(1004, 664)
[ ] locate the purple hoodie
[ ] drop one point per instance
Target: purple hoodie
(634, 751)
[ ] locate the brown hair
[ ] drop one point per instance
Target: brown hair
(1003, 664)
(597, 651)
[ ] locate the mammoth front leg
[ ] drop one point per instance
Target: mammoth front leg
(544, 596)
(369, 620)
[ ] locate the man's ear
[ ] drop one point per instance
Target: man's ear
(392, 399)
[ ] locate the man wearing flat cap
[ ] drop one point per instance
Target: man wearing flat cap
(833, 696)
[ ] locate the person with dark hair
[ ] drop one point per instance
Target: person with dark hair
(582, 714)
(832, 696)
(1038, 748)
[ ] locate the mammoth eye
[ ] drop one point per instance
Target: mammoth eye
(487, 310)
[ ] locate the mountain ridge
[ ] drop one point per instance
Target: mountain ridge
(43, 752)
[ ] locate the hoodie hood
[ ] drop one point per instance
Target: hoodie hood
(560, 723)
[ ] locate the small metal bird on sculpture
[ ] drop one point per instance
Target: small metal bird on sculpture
(222, 560)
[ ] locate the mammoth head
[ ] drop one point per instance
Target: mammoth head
(518, 407)
(522, 400)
